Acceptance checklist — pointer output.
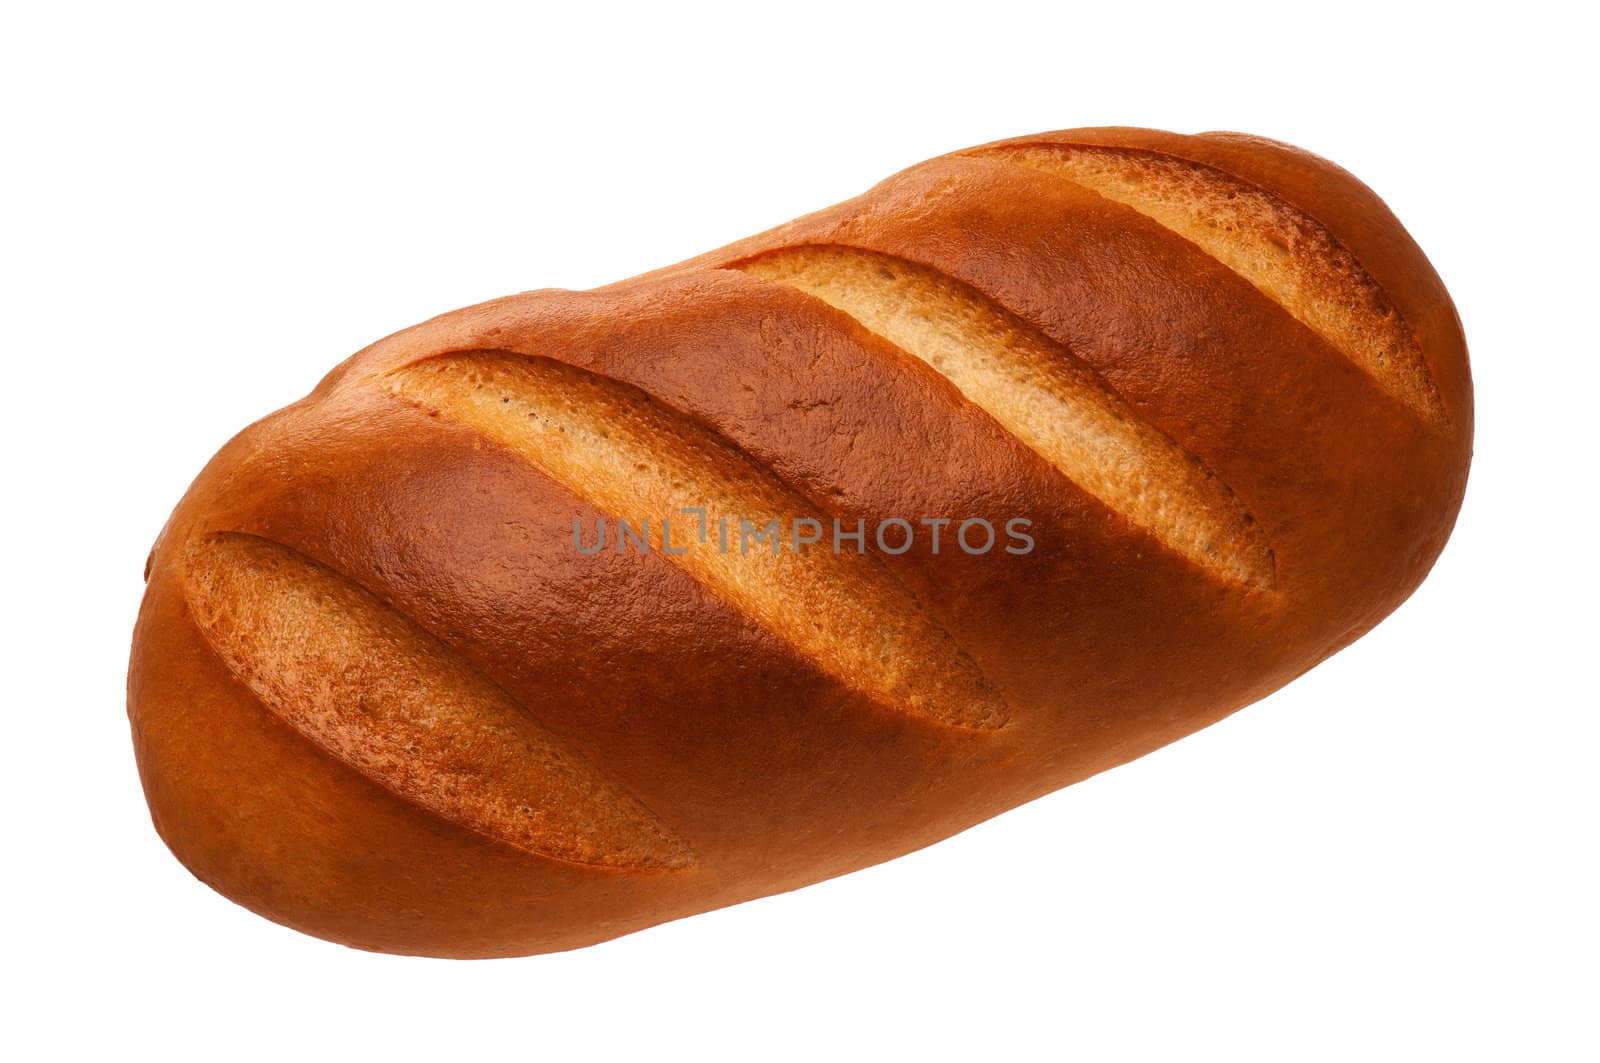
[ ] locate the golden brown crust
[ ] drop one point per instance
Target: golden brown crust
(726, 752)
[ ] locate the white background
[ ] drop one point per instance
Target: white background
(207, 207)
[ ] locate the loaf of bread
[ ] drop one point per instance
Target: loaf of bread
(570, 613)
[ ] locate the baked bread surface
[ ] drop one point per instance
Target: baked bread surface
(378, 695)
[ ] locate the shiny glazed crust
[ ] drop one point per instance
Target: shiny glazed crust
(377, 695)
